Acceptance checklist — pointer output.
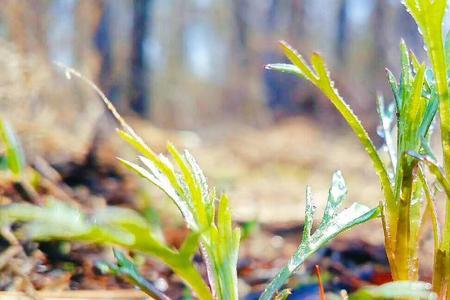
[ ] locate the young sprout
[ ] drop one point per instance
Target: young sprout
(333, 223)
(418, 96)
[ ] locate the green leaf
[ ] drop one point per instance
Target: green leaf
(222, 245)
(429, 115)
(15, 159)
(298, 61)
(412, 114)
(447, 48)
(195, 192)
(126, 269)
(309, 215)
(386, 122)
(333, 223)
(396, 290)
(406, 76)
(153, 175)
(336, 195)
(435, 169)
(187, 188)
(190, 245)
(429, 16)
(321, 79)
(200, 177)
(54, 219)
(439, 173)
(110, 225)
(395, 88)
(285, 68)
(161, 163)
(430, 210)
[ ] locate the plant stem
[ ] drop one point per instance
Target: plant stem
(194, 280)
(404, 259)
(284, 274)
(439, 271)
(183, 268)
(276, 284)
(389, 242)
(442, 272)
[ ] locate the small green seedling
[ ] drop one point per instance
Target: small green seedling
(333, 223)
(13, 159)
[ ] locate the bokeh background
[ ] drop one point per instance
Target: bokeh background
(192, 71)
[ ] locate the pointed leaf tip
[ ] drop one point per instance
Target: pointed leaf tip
(283, 43)
(338, 187)
(285, 68)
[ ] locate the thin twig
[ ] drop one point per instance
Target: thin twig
(8, 254)
(70, 71)
(319, 279)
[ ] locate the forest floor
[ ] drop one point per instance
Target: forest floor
(264, 171)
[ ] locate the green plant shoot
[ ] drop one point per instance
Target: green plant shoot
(418, 95)
(333, 223)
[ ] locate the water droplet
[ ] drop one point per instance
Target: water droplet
(161, 284)
(380, 131)
(277, 242)
(391, 174)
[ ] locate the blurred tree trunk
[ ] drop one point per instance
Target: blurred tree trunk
(282, 96)
(87, 17)
(379, 33)
(13, 13)
(102, 42)
(171, 40)
(342, 29)
(380, 43)
(240, 98)
(297, 16)
(139, 96)
(240, 7)
(26, 24)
